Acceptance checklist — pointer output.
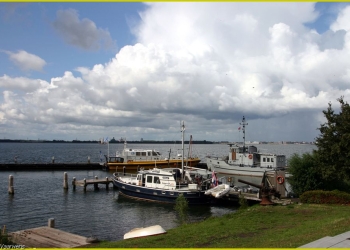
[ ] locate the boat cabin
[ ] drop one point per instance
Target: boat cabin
(141, 154)
(249, 155)
(156, 179)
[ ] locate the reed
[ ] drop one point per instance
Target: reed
(4, 237)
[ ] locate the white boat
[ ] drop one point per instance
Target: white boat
(218, 191)
(144, 231)
(166, 185)
(246, 161)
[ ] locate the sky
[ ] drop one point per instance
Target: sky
(135, 70)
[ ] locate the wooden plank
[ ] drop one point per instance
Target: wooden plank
(46, 237)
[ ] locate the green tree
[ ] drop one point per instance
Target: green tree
(333, 146)
(305, 173)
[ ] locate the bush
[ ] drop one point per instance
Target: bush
(181, 208)
(305, 173)
(325, 197)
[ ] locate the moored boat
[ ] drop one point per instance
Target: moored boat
(218, 191)
(134, 159)
(166, 185)
(246, 161)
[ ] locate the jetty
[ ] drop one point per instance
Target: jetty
(49, 237)
(50, 166)
(84, 183)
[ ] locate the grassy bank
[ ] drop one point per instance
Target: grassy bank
(257, 226)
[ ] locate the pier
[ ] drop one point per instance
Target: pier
(84, 183)
(50, 166)
(49, 237)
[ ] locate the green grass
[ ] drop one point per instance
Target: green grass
(257, 226)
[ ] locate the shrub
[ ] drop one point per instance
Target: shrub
(181, 208)
(325, 197)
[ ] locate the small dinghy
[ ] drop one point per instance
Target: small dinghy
(144, 231)
(218, 191)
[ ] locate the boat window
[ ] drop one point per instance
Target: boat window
(271, 159)
(154, 153)
(156, 179)
(268, 159)
(264, 159)
(149, 179)
(138, 153)
(149, 153)
(143, 153)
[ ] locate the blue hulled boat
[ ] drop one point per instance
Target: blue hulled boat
(166, 185)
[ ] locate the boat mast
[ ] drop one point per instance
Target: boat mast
(183, 132)
(243, 123)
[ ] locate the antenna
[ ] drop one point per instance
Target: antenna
(243, 123)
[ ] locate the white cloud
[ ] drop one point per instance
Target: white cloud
(26, 61)
(81, 33)
(208, 63)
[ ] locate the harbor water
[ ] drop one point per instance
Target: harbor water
(39, 195)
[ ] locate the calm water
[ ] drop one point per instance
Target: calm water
(103, 214)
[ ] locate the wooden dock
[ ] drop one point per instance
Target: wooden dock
(84, 183)
(47, 237)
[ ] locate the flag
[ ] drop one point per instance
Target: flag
(239, 128)
(106, 140)
(214, 179)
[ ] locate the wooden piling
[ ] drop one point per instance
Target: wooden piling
(65, 180)
(11, 188)
(96, 185)
(53, 159)
(107, 183)
(85, 184)
(88, 159)
(51, 223)
(74, 183)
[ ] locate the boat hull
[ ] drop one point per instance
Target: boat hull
(136, 165)
(144, 232)
(194, 197)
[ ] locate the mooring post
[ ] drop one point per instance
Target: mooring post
(74, 183)
(107, 183)
(65, 180)
(53, 159)
(124, 170)
(51, 223)
(11, 189)
(96, 184)
(84, 184)
(89, 159)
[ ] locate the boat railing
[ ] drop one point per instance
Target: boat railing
(122, 174)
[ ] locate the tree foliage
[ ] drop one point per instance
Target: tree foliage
(305, 173)
(333, 144)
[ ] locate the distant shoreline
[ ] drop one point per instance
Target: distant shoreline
(113, 141)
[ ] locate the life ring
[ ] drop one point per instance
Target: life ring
(250, 156)
(280, 180)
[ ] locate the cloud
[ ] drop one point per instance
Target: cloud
(26, 61)
(8, 10)
(81, 33)
(252, 59)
